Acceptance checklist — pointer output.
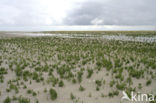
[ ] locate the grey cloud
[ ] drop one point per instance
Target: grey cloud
(114, 12)
(37, 13)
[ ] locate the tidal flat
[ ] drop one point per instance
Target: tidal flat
(76, 66)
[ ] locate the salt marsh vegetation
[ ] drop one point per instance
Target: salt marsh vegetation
(76, 69)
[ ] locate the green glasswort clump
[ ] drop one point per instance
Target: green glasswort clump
(7, 100)
(53, 94)
(23, 100)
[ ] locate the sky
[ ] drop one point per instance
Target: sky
(77, 15)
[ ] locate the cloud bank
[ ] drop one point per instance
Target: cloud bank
(114, 12)
(37, 13)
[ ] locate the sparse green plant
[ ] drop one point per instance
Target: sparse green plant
(97, 88)
(81, 88)
(140, 86)
(72, 97)
(121, 86)
(79, 76)
(34, 93)
(74, 81)
(29, 91)
(102, 95)
(61, 83)
(148, 82)
(90, 72)
(98, 83)
(90, 95)
(24, 87)
(110, 94)
(112, 83)
(23, 100)
(45, 90)
(14, 98)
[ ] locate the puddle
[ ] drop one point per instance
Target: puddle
(131, 38)
(121, 37)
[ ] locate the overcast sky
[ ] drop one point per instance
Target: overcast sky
(16, 14)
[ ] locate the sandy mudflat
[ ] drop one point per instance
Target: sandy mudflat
(102, 67)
